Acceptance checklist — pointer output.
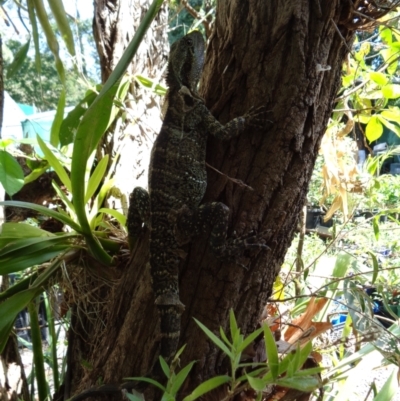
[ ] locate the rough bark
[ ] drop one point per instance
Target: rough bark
(261, 53)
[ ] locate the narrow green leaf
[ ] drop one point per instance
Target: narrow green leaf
(37, 348)
(71, 122)
(304, 383)
(235, 332)
(375, 266)
(44, 210)
(309, 372)
(11, 174)
(9, 310)
(389, 389)
(147, 380)
(50, 36)
(53, 340)
(68, 204)
(256, 383)
(21, 230)
(207, 386)
(180, 378)
(20, 286)
(30, 245)
(96, 178)
(58, 119)
(54, 163)
(271, 352)
(375, 225)
(165, 367)
(342, 264)
(37, 172)
(114, 213)
(19, 59)
(23, 262)
(35, 34)
(133, 397)
(57, 8)
(249, 339)
(224, 337)
(214, 339)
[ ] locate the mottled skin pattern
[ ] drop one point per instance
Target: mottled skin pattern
(177, 183)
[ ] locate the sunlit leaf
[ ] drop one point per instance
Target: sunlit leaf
(374, 129)
(207, 386)
(19, 59)
(11, 174)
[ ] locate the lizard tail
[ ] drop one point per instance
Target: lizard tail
(170, 325)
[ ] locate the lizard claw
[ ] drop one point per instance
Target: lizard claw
(257, 116)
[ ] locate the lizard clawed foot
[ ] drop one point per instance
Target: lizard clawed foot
(236, 247)
(257, 116)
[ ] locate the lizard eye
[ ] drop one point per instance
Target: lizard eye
(189, 41)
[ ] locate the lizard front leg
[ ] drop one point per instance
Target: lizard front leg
(138, 213)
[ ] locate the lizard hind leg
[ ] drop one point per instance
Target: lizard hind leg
(214, 216)
(138, 213)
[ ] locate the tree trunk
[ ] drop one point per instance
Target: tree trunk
(283, 54)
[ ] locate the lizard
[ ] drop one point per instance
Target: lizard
(172, 208)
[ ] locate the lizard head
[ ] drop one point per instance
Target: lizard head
(186, 61)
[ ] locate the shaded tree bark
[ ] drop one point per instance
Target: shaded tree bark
(288, 56)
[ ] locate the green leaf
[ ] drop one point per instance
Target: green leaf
(165, 367)
(214, 339)
(206, 387)
(389, 389)
(342, 263)
(58, 119)
(35, 34)
(54, 163)
(305, 384)
(147, 380)
(256, 383)
(57, 8)
(37, 349)
(180, 378)
(11, 174)
(392, 114)
(379, 77)
(393, 127)
(386, 35)
(151, 84)
(375, 225)
(133, 397)
(391, 91)
(50, 36)
(44, 210)
(68, 204)
(9, 310)
(375, 266)
(19, 59)
(271, 352)
(235, 332)
(249, 339)
(30, 245)
(71, 122)
(374, 129)
(36, 258)
(96, 178)
(114, 213)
